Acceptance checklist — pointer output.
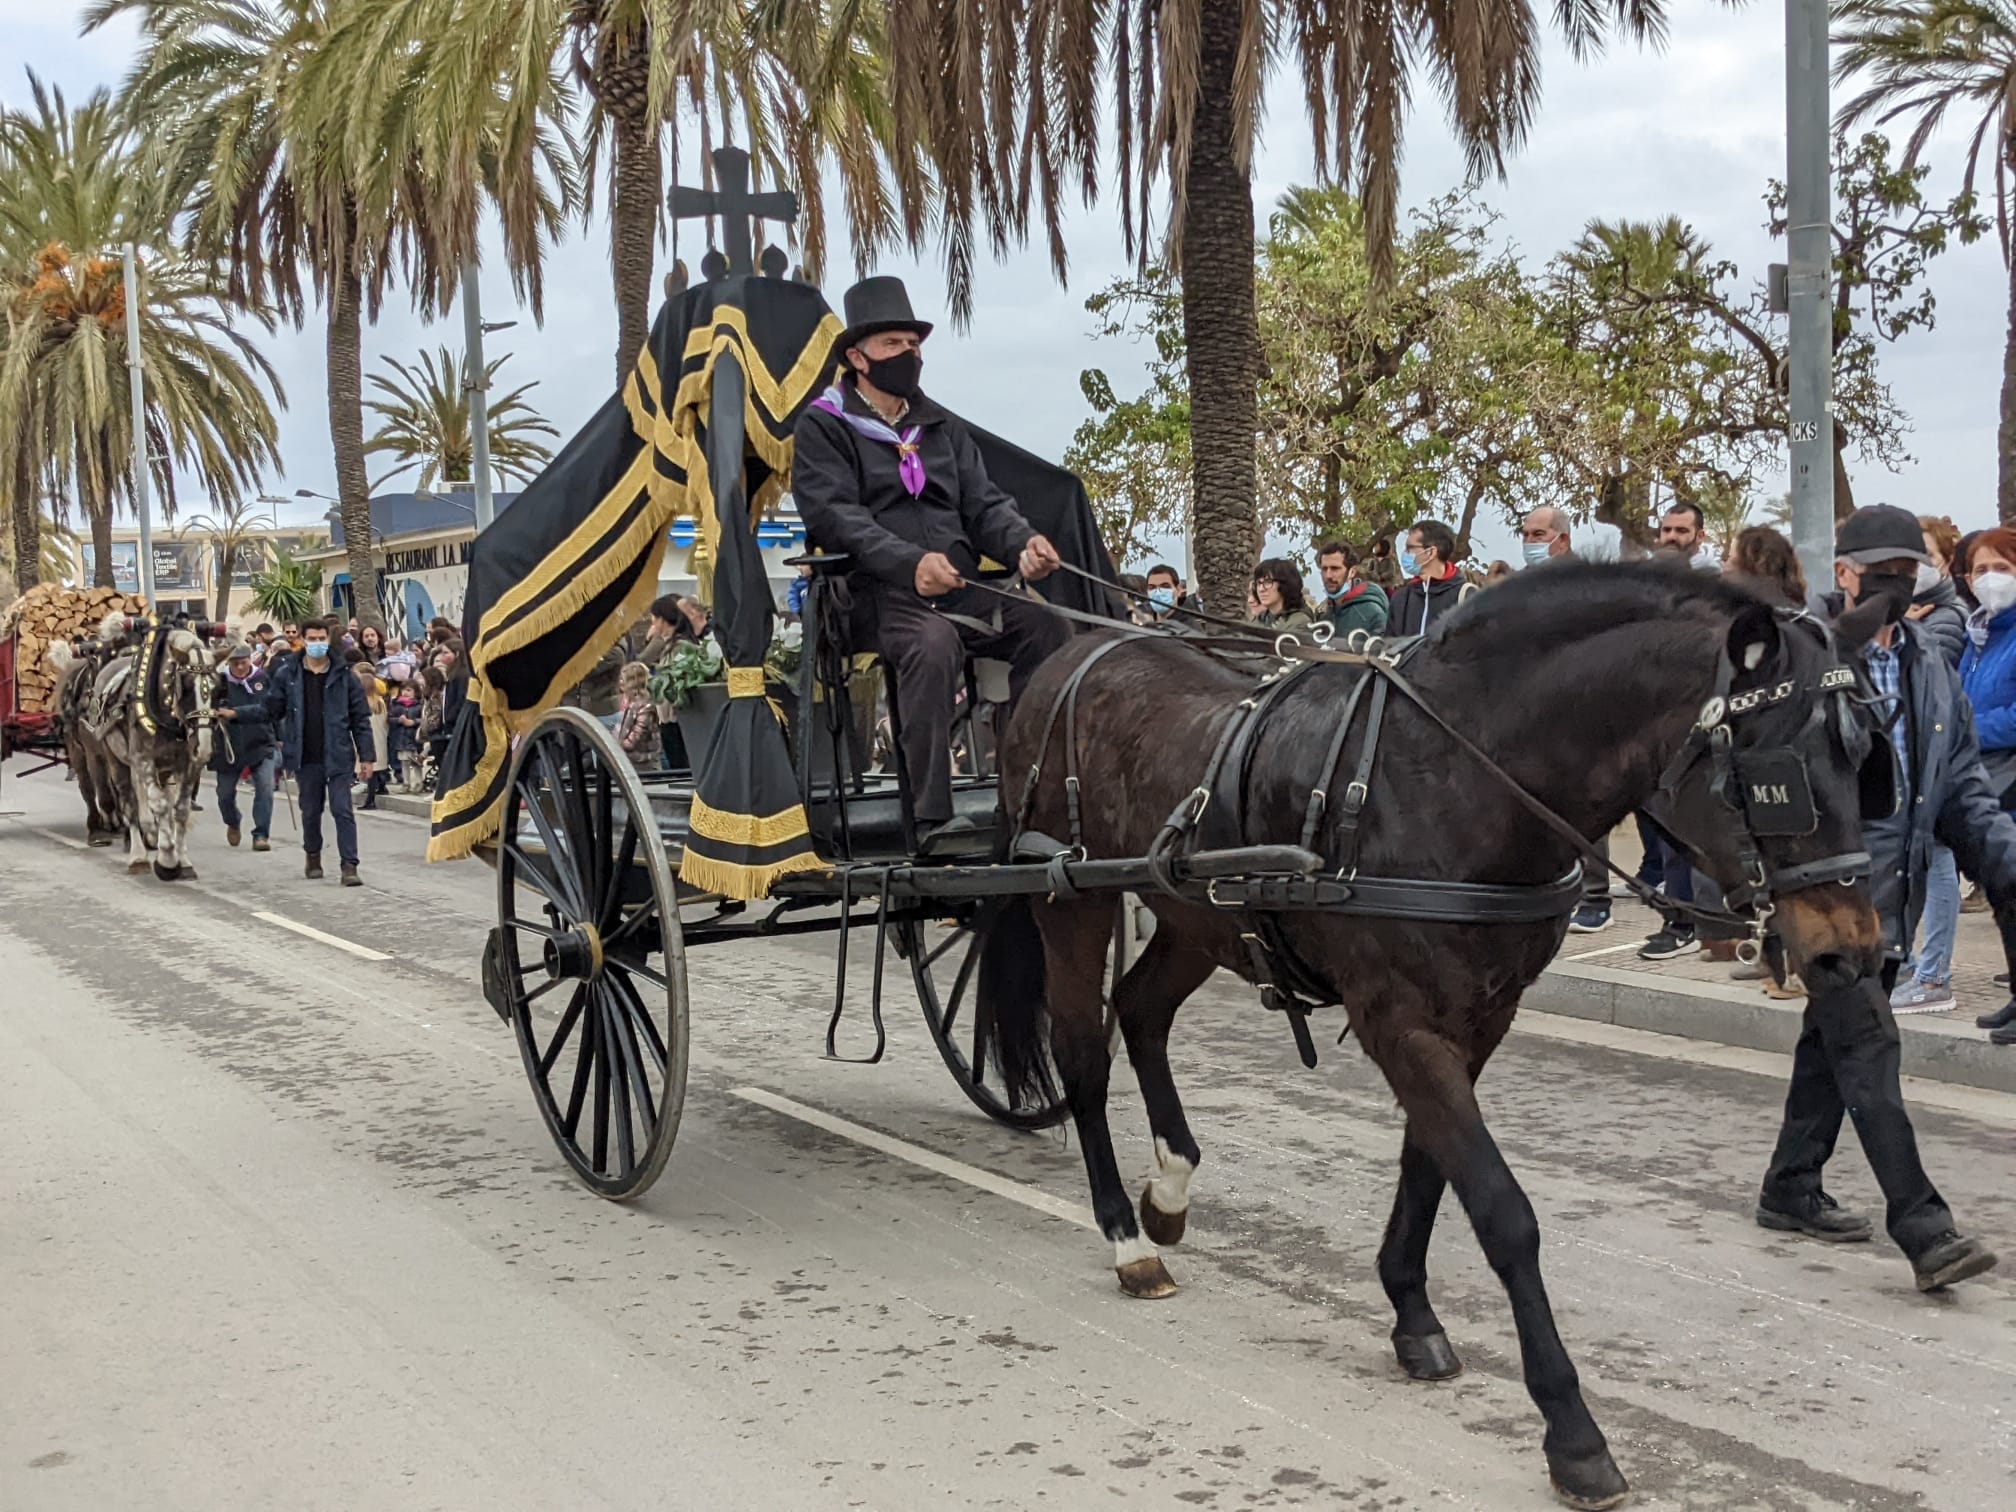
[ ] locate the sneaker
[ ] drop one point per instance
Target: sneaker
(230, 834)
(1669, 944)
(1917, 996)
(1590, 918)
(1949, 1258)
(1752, 971)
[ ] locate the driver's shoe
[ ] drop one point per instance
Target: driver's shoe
(1951, 1257)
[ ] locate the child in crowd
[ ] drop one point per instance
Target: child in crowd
(402, 717)
(637, 728)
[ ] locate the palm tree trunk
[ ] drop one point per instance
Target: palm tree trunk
(2005, 432)
(99, 512)
(346, 434)
(26, 514)
(227, 564)
(633, 234)
(1220, 334)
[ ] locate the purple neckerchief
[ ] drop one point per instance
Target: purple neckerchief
(909, 466)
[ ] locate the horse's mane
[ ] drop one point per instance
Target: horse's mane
(1569, 601)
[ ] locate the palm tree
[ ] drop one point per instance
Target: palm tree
(424, 422)
(280, 174)
(1007, 94)
(231, 530)
(1921, 58)
(803, 87)
(62, 376)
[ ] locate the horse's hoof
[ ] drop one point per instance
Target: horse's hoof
(1147, 1279)
(187, 874)
(1427, 1357)
(167, 873)
(1587, 1482)
(1161, 1228)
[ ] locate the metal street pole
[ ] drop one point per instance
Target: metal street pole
(1809, 282)
(137, 382)
(478, 384)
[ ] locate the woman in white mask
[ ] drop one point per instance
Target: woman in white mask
(1936, 606)
(1988, 666)
(1925, 984)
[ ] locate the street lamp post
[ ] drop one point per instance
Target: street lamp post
(137, 385)
(477, 381)
(1808, 285)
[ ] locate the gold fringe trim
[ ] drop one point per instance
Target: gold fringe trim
(470, 829)
(569, 554)
(750, 830)
(743, 883)
(745, 682)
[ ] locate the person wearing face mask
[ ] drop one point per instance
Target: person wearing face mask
(1165, 593)
(1544, 537)
(897, 483)
(1848, 1052)
(1434, 586)
(1988, 661)
(1349, 602)
(325, 735)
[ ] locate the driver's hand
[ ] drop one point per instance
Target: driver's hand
(1039, 558)
(936, 574)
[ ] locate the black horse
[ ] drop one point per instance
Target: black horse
(1585, 683)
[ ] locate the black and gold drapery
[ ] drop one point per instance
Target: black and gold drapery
(559, 577)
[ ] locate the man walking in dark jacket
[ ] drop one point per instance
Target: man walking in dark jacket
(326, 737)
(1434, 585)
(244, 745)
(883, 474)
(1848, 1054)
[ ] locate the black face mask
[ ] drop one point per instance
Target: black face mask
(1895, 589)
(897, 375)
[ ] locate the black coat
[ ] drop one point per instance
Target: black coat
(346, 717)
(1947, 799)
(1946, 626)
(248, 737)
(1417, 605)
(852, 498)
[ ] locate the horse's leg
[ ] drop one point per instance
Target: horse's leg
(1075, 936)
(1431, 1077)
(1146, 1000)
(1418, 1337)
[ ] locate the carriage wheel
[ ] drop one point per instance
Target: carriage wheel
(585, 903)
(944, 961)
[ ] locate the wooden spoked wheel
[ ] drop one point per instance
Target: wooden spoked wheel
(944, 958)
(588, 962)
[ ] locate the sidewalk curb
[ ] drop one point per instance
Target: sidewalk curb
(1936, 1049)
(413, 805)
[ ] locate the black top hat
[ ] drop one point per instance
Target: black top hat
(878, 304)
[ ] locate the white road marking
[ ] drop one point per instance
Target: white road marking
(1590, 955)
(327, 939)
(49, 834)
(929, 1160)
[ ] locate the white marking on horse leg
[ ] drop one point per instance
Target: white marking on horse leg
(1170, 1190)
(1128, 1251)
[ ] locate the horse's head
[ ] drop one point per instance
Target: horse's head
(1771, 787)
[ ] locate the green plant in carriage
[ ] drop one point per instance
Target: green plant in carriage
(691, 664)
(288, 588)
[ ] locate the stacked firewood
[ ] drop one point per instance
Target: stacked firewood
(46, 614)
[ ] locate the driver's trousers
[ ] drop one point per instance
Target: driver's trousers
(928, 652)
(1847, 1061)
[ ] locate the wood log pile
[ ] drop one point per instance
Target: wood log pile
(46, 614)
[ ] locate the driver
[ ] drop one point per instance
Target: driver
(896, 482)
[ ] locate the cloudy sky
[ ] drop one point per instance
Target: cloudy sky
(1695, 131)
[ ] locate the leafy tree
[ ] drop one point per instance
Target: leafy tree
(424, 422)
(232, 530)
(1919, 59)
(287, 588)
(1134, 454)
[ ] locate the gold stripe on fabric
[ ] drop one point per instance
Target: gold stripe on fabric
(470, 825)
(710, 823)
(574, 548)
(743, 883)
(745, 682)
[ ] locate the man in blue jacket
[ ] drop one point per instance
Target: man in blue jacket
(1848, 1055)
(326, 736)
(244, 745)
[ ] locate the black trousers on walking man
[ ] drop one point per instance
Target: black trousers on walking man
(929, 650)
(328, 785)
(1847, 1061)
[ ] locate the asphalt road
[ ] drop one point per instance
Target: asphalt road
(280, 1228)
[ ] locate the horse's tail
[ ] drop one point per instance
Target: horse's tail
(1013, 999)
